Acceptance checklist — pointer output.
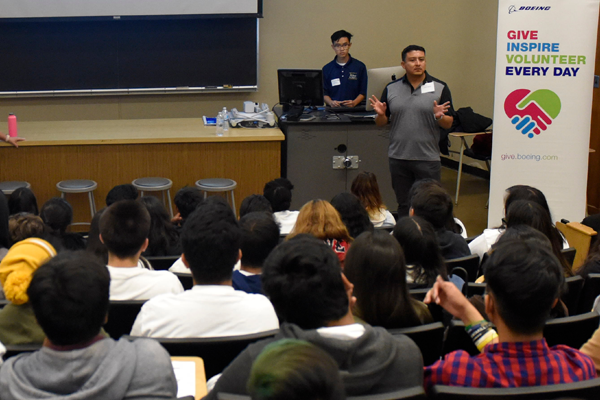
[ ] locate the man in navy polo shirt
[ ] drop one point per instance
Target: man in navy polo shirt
(418, 106)
(344, 78)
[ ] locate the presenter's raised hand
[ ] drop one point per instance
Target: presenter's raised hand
(377, 105)
(440, 110)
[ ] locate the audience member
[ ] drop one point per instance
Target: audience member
(434, 205)
(211, 246)
(57, 215)
(375, 265)
(260, 235)
(124, 229)
(186, 200)
(17, 321)
(320, 219)
(22, 200)
(121, 192)
(24, 225)
(279, 194)
(163, 239)
(5, 241)
(523, 283)
(592, 349)
(69, 296)
(94, 244)
(313, 300)
(423, 255)
(353, 213)
(254, 203)
(366, 188)
(295, 370)
(523, 212)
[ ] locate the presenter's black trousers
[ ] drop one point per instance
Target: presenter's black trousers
(405, 173)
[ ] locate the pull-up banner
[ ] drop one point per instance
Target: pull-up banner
(545, 60)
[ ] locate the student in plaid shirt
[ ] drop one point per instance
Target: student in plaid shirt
(523, 283)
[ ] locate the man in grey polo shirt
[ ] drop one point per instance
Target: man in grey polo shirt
(418, 106)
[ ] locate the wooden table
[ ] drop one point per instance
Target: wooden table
(113, 152)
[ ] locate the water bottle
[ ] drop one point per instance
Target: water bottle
(220, 124)
(12, 125)
(225, 121)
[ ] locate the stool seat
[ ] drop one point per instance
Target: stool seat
(10, 186)
(76, 186)
(155, 184)
(216, 184)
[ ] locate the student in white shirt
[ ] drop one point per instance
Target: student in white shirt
(279, 193)
(124, 228)
(212, 308)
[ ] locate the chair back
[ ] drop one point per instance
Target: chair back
(574, 286)
(186, 280)
(428, 337)
(464, 275)
(3, 303)
(14, 349)
(571, 331)
(589, 389)
(457, 338)
(469, 263)
(216, 352)
(589, 292)
(121, 316)
(418, 294)
(162, 262)
(476, 289)
(569, 255)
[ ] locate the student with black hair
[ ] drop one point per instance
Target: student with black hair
(211, 247)
(260, 235)
(279, 194)
(5, 241)
(124, 229)
(255, 203)
(186, 200)
(163, 238)
(69, 296)
(22, 200)
(313, 300)
(434, 205)
(121, 192)
(57, 215)
(353, 213)
(524, 280)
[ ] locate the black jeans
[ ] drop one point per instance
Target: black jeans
(405, 173)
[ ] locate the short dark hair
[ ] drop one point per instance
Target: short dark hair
(162, 237)
(187, 199)
(524, 192)
(422, 184)
(412, 47)
(303, 279)
(124, 227)
(211, 241)
(69, 297)
(260, 235)
(279, 194)
(94, 244)
(57, 214)
(353, 213)
(254, 203)
(524, 278)
(337, 35)
(295, 370)
(433, 204)
(121, 192)
(22, 200)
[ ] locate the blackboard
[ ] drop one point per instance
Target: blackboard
(80, 55)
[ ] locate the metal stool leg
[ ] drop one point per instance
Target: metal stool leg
(170, 203)
(233, 204)
(91, 198)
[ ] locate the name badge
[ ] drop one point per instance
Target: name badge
(427, 88)
(335, 82)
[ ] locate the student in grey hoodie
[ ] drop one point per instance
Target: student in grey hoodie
(313, 300)
(69, 296)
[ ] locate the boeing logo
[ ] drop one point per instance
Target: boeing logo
(514, 9)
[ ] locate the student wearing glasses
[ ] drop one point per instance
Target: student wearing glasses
(344, 78)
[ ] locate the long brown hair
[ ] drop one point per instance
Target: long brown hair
(320, 219)
(366, 188)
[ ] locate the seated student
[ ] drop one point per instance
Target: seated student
(353, 213)
(22, 200)
(366, 188)
(186, 200)
(313, 300)
(163, 238)
(434, 205)
(17, 322)
(57, 215)
(295, 370)
(69, 296)
(279, 193)
(375, 265)
(22, 226)
(523, 283)
(255, 203)
(121, 192)
(211, 247)
(260, 235)
(124, 229)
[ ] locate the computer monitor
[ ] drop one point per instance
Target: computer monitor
(379, 79)
(300, 87)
